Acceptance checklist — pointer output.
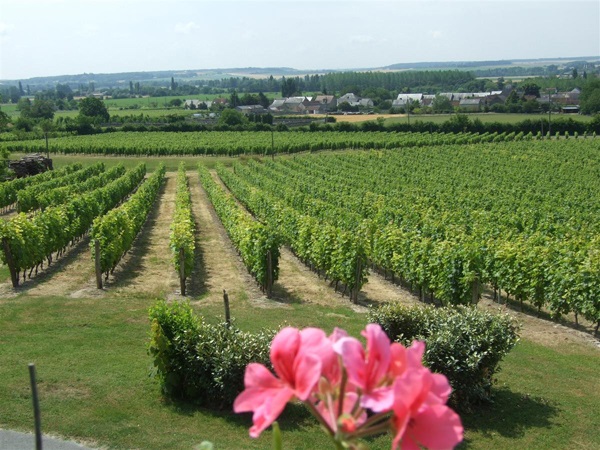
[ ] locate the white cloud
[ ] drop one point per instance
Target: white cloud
(186, 28)
(436, 34)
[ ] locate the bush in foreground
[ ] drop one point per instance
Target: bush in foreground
(463, 343)
(199, 362)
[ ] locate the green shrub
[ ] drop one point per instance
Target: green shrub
(463, 343)
(199, 362)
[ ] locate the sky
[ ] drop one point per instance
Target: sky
(60, 37)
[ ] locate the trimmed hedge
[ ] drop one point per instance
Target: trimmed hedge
(463, 343)
(199, 362)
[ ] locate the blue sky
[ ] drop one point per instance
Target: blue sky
(55, 37)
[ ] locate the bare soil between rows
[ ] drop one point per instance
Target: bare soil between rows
(148, 271)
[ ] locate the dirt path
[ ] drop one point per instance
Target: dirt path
(536, 329)
(63, 277)
(541, 330)
(8, 214)
(218, 265)
(147, 270)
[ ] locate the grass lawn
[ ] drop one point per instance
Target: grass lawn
(94, 382)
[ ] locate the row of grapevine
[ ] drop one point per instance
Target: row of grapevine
(10, 189)
(62, 194)
(29, 241)
(452, 283)
(27, 199)
(521, 217)
(337, 253)
(182, 237)
(113, 234)
(256, 243)
(235, 143)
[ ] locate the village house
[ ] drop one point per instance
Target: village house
(328, 102)
(470, 104)
(196, 104)
(355, 101)
(251, 109)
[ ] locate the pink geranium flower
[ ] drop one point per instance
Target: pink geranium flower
(367, 370)
(266, 395)
(421, 417)
(339, 381)
(344, 422)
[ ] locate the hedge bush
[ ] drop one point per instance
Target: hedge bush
(200, 362)
(463, 343)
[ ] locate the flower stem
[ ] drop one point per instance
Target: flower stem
(376, 429)
(375, 420)
(342, 392)
(322, 421)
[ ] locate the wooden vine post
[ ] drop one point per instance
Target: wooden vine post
(182, 270)
(14, 276)
(97, 264)
(36, 407)
(356, 288)
(269, 287)
(227, 312)
(475, 291)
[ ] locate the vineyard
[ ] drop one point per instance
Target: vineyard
(235, 143)
(520, 217)
(307, 239)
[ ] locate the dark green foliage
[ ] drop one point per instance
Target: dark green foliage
(463, 343)
(94, 108)
(590, 97)
(200, 362)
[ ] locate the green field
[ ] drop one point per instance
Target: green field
(153, 102)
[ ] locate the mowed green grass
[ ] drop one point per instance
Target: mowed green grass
(94, 383)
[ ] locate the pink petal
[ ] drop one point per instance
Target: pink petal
(440, 389)
(378, 400)
(409, 444)
(414, 354)
(337, 334)
(398, 361)
(313, 338)
(315, 341)
(258, 375)
(260, 385)
(284, 348)
(400, 425)
(307, 372)
(353, 356)
(407, 390)
(269, 411)
(378, 353)
(437, 428)
(265, 395)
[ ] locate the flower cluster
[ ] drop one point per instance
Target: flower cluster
(353, 391)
